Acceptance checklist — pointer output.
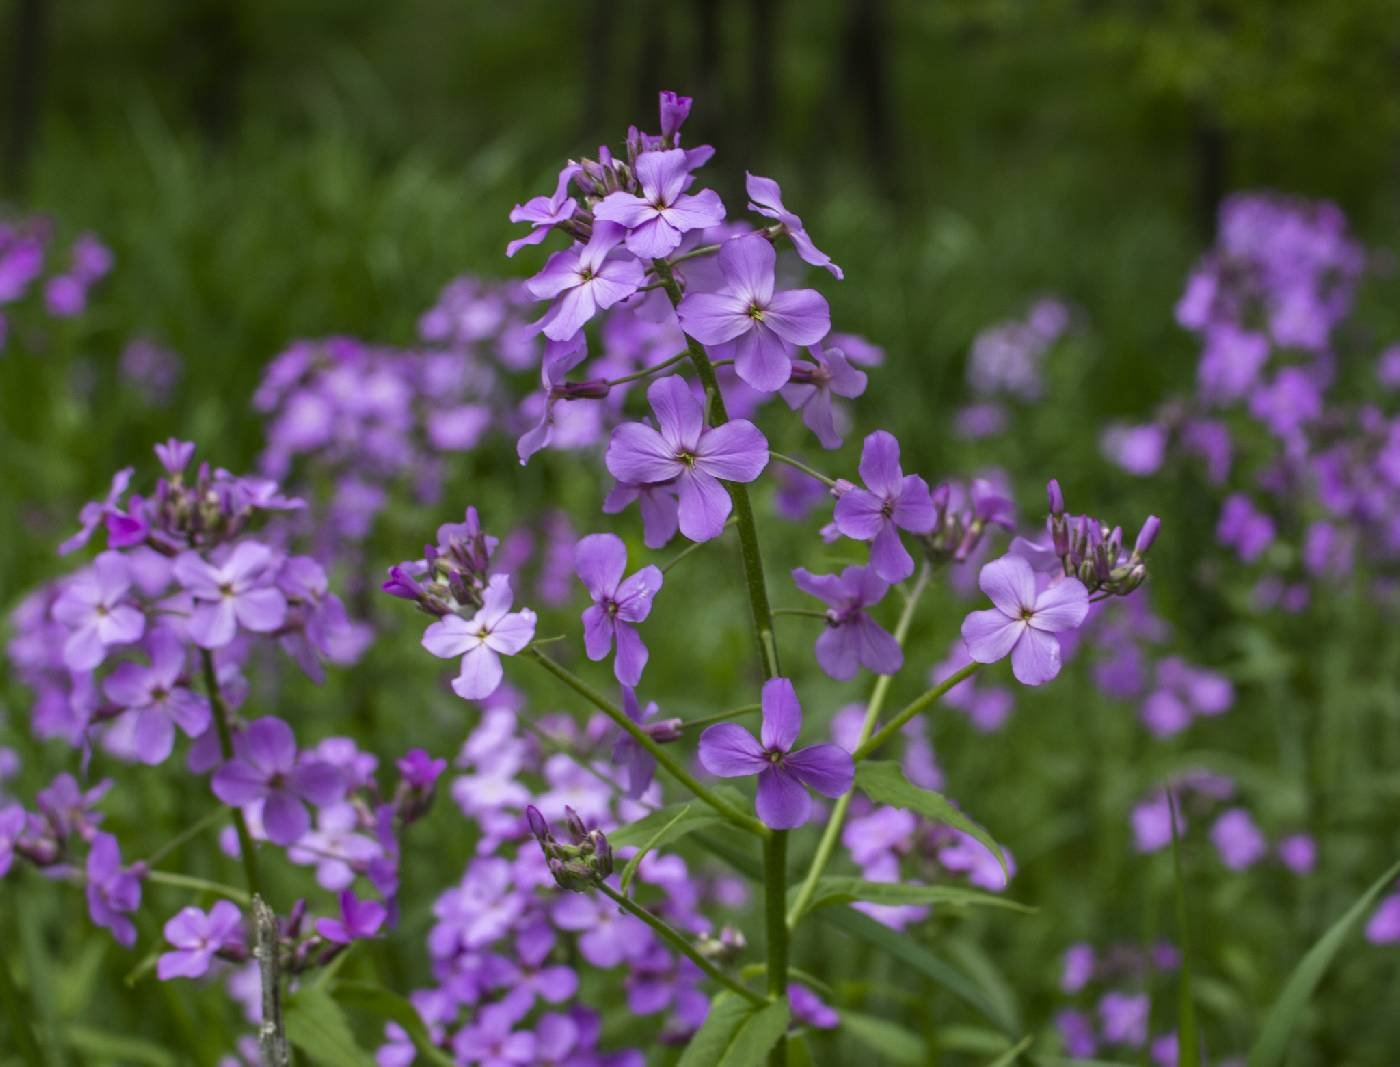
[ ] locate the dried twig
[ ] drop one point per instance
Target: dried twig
(272, 1035)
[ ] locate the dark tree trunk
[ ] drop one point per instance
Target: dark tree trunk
(28, 44)
(1212, 154)
(865, 71)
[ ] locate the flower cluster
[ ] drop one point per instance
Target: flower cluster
(25, 244)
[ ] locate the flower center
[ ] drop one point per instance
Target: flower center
(755, 312)
(586, 274)
(686, 457)
(775, 756)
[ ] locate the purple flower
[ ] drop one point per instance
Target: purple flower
(158, 698)
(112, 891)
(265, 767)
(237, 592)
(618, 604)
(14, 820)
(1238, 840)
(749, 323)
(589, 278)
(810, 1009)
(891, 501)
(675, 109)
(1383, 928)
(1124, 1018)
(639, 764)
(852, 638)
(494, 631)
(544, 213)
(695, 456)
(1138, 450)
(1241, 527)
(767, 199)
(197, 938)
(359, 920)
(730, 751)
(1077, 1033)
(1298, 852)
(1023, 623)
(812, 386)
(94, 511)
(658, 504)
(656, 220)
(91, 608)
(1078, 969)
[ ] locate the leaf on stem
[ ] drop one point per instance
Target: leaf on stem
(839, 889)
(736, 1033)
(883, 781)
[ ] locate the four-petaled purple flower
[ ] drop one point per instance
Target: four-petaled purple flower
(590, 279)
(494, 631)
(749, 323)
(892, 501)
(683, 449)
(113, 891)
(197, 938)
(656, 220)
(91, 607)
(236, 592)
(767, 199)
(618, 604)
(544, 213)
(812, 386)
(1024, 622)
(359, 920)
(265, 767)
(158, 698)
(852, 638)
(730, 751)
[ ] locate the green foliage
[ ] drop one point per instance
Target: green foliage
(883, 781)
(736, 1033)
(840, 889)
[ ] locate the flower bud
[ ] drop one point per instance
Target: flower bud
(538, 826)
(675, 109)
(593, 389)
(1057, 498)
(1147, 535)
(578, 832)
(665, 731)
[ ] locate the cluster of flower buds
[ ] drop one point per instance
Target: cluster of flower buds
(1093, 552)
(724, 947)
(962, 517)
(451, 574)
(579, 866)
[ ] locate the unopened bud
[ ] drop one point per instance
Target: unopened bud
(665, 731)
(675, 109)
(577, 830)
(593, 389)
(1057, 498)
(1147, 535)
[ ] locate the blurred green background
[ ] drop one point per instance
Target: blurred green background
(265, 171)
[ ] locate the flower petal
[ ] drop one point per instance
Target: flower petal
(826, 768)
(747, 264)
(704, 505)
(990, 635)
(799, 316)
(679, 415)
(782, 715)
(1010, 583)
(730, 751)
(736, 451)
(1036, 657)
(600, 560)
(638, 454)
(1062, 606)
(782, 802)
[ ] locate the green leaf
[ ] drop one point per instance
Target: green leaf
(1011, 1055)
(799, 1054)
(843, 890)
(883, 781)
(367, 996)
(913, 955)
(106, 1047)
(736, 1033)
(1269, 1049)
(676, 820)
(656, 840)
(317, 1026)
(893, 1042)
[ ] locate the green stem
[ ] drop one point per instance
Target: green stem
(743, 509)
(723, 716)
(647, 372)
(832, 832)
(830, 483)
(201, 885)
(688, 550)
(663, 758)
(221, 724)
(18, 1015)
(679, 943)
(183, 836)
(775, 921)
(913, 708)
